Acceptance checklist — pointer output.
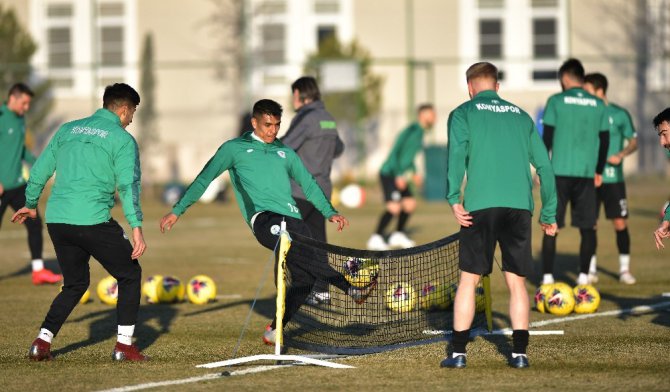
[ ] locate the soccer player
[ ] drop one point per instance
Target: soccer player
(94, 157)
(576, 132)
(662, 125)
(398, 196)
(612, 193)
(261, 168)
(495, 142)
(313, 136)
(13, 153)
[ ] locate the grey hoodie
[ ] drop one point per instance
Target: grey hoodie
(313, 136)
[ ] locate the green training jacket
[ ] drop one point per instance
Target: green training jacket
(260, 174)
(495, 141)
(92, 157)
(407, 145)
(13, 149)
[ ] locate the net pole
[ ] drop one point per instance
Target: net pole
(284, 245)
(486, 282)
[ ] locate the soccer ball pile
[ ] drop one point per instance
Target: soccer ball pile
(561, 299)
(401, 297)
(200, 290)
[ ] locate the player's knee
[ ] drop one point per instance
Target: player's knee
(409, 204)
(393, 207)
(619, 224)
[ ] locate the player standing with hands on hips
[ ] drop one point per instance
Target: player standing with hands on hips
(495, 142)
(94, 158)
(576, 132)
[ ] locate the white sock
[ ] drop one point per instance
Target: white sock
(514, 355)
(593, 268)
(38, 265)
(583, 278)
(125, 335)
(548, 279)
(454, 355)
(45, 335)
(624, 263)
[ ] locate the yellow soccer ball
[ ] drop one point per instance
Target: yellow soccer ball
(150, 288)
(84, 298)
(401, 297)
(587, 298)
(435, 296)
(360, 272)
(169, 289)
(201, 289)
(560, 300)
(108, 290)
(540, 295)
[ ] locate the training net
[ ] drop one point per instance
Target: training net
(411, 303)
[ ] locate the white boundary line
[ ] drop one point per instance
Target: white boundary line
(229, 296)
(259, 369)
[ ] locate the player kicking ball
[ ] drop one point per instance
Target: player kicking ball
(494, 141)
(261, 168)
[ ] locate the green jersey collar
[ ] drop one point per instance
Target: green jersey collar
(108, 115)
(487, 94)
(249, 136)
(4, 109)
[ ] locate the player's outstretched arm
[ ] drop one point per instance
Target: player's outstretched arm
(139, 246)
(24, 213)
(168, 221)
(662, 232)
(340, 220)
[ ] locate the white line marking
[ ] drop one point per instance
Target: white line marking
(190, 380)
(229, 296)
(505, 331)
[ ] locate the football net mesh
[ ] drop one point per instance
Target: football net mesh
(412, 299)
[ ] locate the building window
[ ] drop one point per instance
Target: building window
(111, 46)
(324, 33)
(326, 7)
(272, 7)
(60, 47)
(490, 38)
(273, 36)
(658, 39)
(544, 38)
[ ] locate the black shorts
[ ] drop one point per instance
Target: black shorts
(581, 193)
(613, 197)
(509, 227)
(391, 191)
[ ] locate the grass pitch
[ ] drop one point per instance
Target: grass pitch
(629, 352)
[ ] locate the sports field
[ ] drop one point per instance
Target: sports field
(607, 352)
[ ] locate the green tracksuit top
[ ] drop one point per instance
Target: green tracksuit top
(260, 174)
(621, 128)
(407, 145)
(93, 157)
(577, 118)
(13, 149)
(495, 141)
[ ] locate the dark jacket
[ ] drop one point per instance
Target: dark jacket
(313, 136)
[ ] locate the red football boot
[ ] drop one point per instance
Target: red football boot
(45, 276)
(40, 350)
(127, 352)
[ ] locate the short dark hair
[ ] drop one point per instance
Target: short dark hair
(573, 68)
(424, 106)
(119, 94)
(662, 116)
(307, 89)
(598, 80)
(482, 70)
(20, 88)
(266, 106)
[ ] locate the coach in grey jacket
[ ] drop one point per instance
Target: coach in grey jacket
(313, 135)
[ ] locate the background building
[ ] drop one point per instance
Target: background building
(213, 58)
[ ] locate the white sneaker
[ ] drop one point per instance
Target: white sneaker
(548, 279)
(376, 242)
(316, 298)
(269, 336)
(583, 279)
(593, 278)
(626, 278)
(399, 240)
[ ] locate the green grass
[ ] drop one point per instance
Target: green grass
(622, 353)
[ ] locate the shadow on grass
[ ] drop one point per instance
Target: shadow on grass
(662, 315)
(104, 326)
(566, 269)
(51, 264)
(264, 307)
